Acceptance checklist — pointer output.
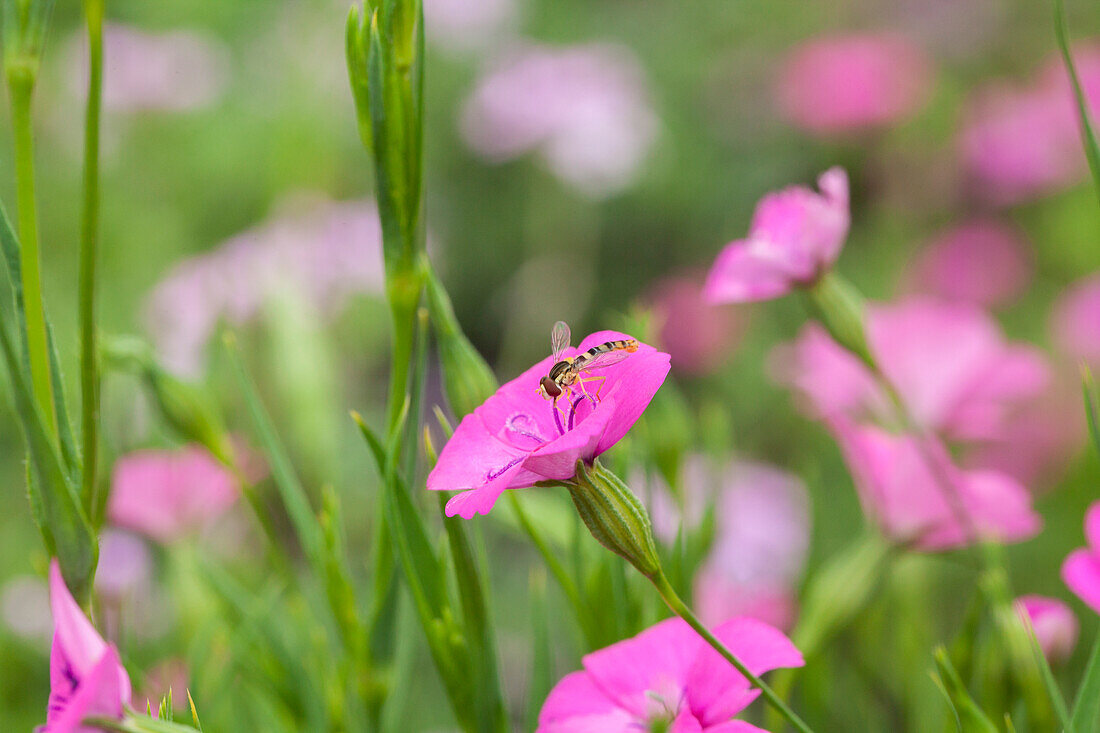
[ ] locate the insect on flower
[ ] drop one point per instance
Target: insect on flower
(573, 371)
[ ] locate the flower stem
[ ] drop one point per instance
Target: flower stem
(89, 225)
(680, 609)
(21, 81)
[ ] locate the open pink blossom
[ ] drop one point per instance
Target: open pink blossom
(698, 335)
(949, 361)
(86, 677)
(852, 82)
(1076, 320)
(167, 494)
(1081, 570)
(761, 539)
(667, 675)
(915, 493)
(795, 236)
(517, 437)
(1054, 624)
(982, 261)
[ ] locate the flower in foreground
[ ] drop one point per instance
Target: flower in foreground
(1054, 624)
(167, 494)
(1081, 570)
(86, 677)
(912, 489)
(518, 438)
(667, 676)
(795, 236)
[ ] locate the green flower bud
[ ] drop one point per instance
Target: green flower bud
(615, 517)
(839, 307)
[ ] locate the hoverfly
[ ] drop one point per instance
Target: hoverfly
(571, 371)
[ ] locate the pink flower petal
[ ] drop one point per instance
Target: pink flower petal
(101, 692)
(1081, 572)
(1092, 526)
(1054, 624)
(577, 704)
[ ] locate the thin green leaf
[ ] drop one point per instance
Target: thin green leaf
(1088, 388)
(1053, 691)
(69, 452)
(1086, 705)
(13, 258)
(969, 716)
(542, 659)
(194, 712)
(1088, 135)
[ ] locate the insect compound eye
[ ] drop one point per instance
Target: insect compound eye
(550, 387)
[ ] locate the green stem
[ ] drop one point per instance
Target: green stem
(21, 88)
(89, 225)
(680, 609)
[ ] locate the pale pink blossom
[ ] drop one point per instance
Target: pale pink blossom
(466, 25)
(1076, 320)
(699, 336)
(672, 512)
(795, 236)
(25, 607)
(168, 494)
(86, 677)
(982, 261)
(667, 676)
(835, 84)
(1081, 569)
(1054, 624)
(125, 564)
(583, 109)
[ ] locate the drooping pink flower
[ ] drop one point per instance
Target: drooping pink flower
(86, 677)
(851, 82)
(584, 109)
(1054, 624)
(982, 261)
(517, 437)
(698, 335)
(667, 675)
(911, 488)
(167, 494)
(1076, 320)
(1081, 570)
(760, 545)
(950, 362)
(795, 236)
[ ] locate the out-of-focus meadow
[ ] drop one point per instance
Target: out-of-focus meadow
(586, 161)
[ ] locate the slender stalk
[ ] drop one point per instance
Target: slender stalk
(21, 89)
(681, 609)
(89, 231)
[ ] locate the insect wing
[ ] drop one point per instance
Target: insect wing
(604, 359)
(559, 339)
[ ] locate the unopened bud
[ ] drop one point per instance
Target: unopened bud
(615, 517)
(839, 307)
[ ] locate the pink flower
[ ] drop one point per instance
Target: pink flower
(904, 488)
(166, 494)
(698, 335)
(667, 674)
(950, 362)
(760, 546)
(86, 677)
(1076, 320)
(834, 84)
(1054, 624)
(125, 565)
(794, 237)
(1081, 570)
(517, 437)
(982, 261)
(583, 109)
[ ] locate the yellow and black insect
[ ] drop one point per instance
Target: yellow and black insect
(572, 371)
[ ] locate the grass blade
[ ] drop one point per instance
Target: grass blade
(1088, 135)
(1086, 705)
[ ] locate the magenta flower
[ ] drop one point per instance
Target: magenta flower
(1081, 570)
(167, 494)
(1076, 320)
(1054, 624)
(86, 677)
(835, 84)
(795, 236)
(517, 437)
(905, 488)
(667, 675)
(698, 335)
(983, 261)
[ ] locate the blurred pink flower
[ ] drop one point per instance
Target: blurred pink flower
(25, 607)
(325, 254)
(1054, 624)
(950, 362)
(1081, 570)
(584, 109)
(172, 72)
(467, 24)
(170, 674)
(669, 513)
(517, 437)
(698, 336)
(760, 545)
(86, 677)
(125, 564)
(904, 486)
(982, 261)
(167, 494)
(1076, 320)
(667, 676)
(795, 236)
(839, 83)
